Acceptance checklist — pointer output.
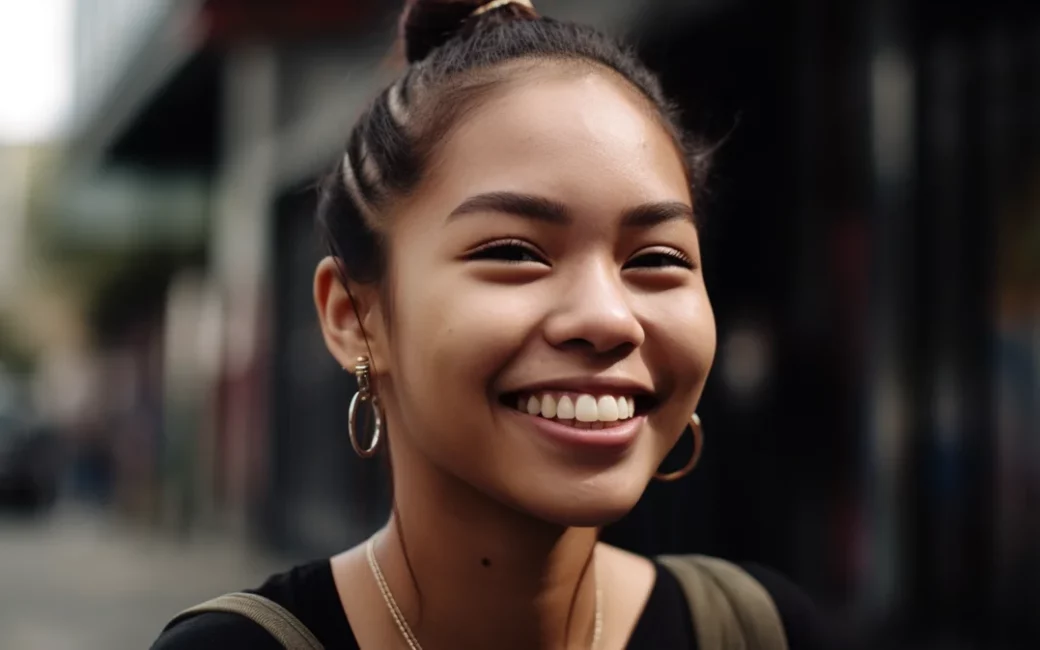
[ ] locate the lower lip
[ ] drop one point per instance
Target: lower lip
(618, 436)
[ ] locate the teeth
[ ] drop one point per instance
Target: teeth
(534, 405)
(608, 409)
(584, 410)
(548, 407)
(565, 408)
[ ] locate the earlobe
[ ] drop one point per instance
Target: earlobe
(338, 315)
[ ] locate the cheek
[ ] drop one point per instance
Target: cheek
(684, 330)
(456, 334)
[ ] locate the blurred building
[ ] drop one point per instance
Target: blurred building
(14, 209)
(29, 315)
(871, 252)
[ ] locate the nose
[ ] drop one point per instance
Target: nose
(594, 313)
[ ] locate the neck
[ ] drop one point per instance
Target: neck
(469, 572)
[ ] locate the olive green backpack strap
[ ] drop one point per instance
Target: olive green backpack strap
(278, 621)
(730, 609)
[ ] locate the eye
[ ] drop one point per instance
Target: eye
(508, 251)
(660, 258)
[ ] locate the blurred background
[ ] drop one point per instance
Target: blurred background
(171, 426)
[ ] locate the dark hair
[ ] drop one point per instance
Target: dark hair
(455, 59)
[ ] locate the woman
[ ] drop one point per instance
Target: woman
(514, 276)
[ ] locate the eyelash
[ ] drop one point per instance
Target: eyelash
(498, 251)
(493, 251)
(670, 255)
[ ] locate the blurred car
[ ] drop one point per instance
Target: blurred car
(28, 465)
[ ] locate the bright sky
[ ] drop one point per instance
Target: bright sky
(35, 69)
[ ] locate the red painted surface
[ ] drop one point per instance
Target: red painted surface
(235, 20)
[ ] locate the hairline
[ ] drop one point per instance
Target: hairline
(485, 85)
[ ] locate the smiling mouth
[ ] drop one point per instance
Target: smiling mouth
(581, 410)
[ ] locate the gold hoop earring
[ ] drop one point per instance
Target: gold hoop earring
(365, 394)
(698, 445)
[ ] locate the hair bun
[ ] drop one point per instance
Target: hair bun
(428, 24)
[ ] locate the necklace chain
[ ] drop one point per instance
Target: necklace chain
(406, 630)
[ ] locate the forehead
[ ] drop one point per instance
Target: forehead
(585, 137)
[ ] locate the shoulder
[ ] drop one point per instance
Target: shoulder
(216, 631)
(807, 627)
(306, 591)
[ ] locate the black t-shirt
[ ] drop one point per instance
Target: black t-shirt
(309, 592)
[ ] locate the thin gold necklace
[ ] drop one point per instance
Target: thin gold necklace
(406, 631)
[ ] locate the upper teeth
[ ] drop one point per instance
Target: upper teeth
(583, 408)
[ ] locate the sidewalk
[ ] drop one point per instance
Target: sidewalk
(78, 582)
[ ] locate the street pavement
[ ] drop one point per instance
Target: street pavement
(76, 581)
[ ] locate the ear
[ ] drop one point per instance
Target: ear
(352, 327)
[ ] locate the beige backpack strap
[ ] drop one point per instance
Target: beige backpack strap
(730, 609)
(278, 621)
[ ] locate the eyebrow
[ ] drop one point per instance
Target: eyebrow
(540, 208)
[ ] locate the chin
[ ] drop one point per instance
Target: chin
(585, 517)
(581, 506)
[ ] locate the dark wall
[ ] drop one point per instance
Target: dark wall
(869, 465)
(774, 485)
(324, 497)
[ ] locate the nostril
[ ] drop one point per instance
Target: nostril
(613, 352)
(592, 324)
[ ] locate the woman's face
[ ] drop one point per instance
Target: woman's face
(550, 332)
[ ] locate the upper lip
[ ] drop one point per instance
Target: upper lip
(588, 385)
